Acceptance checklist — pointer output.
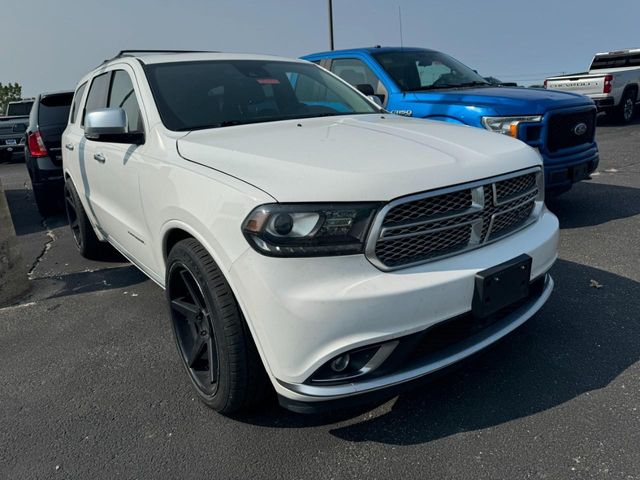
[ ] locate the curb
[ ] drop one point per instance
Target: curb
(13, 271)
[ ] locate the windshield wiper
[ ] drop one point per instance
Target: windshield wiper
(474, 84)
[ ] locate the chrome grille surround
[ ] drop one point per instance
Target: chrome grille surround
(458, 219)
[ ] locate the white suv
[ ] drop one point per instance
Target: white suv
(304, 236)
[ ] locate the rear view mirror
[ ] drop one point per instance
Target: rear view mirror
(109, 125)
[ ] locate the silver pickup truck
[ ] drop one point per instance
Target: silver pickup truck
(612, 82)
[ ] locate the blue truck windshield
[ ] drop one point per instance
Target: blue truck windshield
(427, 70)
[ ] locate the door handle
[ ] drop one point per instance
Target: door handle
(99, 157)
(69, 146)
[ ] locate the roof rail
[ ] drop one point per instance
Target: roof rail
(135, 53)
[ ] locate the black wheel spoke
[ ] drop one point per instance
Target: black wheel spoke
(189, 310)
(189, 283)
(197, 350)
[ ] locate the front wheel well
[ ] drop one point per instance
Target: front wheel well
(172, 237)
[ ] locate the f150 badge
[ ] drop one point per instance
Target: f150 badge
(404, 113)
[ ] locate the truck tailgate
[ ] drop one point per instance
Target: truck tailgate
(584, 85)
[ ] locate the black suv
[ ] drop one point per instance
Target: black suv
(43, 154)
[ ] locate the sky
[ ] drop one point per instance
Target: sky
(50, 44)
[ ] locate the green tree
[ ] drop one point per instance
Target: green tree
(9, 93)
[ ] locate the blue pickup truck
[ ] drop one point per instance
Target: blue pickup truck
(424, 83)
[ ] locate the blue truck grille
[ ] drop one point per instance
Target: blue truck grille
(567, 130)
(428, 226)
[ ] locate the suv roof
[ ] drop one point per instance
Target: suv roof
(168, 56)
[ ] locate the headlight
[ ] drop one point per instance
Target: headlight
(305, 230)
(508, 125)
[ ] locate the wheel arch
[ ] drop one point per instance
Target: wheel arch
(175, 231)
(631, 88)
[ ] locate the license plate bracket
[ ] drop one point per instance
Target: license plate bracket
(500, 286)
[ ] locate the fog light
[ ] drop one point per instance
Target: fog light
(340, 363)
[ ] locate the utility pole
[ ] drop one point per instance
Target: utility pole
(331, 24)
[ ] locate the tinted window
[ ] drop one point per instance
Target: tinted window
(54, 109)
(76, 102)
(209, 94)
(354, 71)
(17, 109)
(615, 61)
(427, 70)
(123, 96)
(97, 97)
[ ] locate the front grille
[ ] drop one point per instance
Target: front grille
(563, 132)
(432, 225)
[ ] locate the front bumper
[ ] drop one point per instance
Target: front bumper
(561, 174)
(304, 311)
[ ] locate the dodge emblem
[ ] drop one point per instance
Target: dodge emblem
(580, 129)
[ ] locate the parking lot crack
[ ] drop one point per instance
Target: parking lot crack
(47, 246)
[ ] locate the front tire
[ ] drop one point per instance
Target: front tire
(626, 109)
(215, 345)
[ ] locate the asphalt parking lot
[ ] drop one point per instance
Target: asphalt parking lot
(91, 385)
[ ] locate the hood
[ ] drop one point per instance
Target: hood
(356, 157)
(505, 100)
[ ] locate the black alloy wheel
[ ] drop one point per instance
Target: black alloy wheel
(213, 339)
(192, 325)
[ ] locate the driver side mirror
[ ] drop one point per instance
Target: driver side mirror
(367, 90)
(109, 125)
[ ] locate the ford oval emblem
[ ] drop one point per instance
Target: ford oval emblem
(580, 129)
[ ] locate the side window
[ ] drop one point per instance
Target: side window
(97, 97)
(355, 72)
(77, 98)
(122, 95)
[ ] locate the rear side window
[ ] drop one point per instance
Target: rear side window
(123, 96)
(54, 109)
(76, 102)
(98, 91)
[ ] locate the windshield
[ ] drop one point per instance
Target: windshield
(427, 70)
(221, 93)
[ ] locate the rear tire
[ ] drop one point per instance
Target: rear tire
(625, 111)
(214, 342)
(83, 234)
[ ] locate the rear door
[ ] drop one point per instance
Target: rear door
(90, 170)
